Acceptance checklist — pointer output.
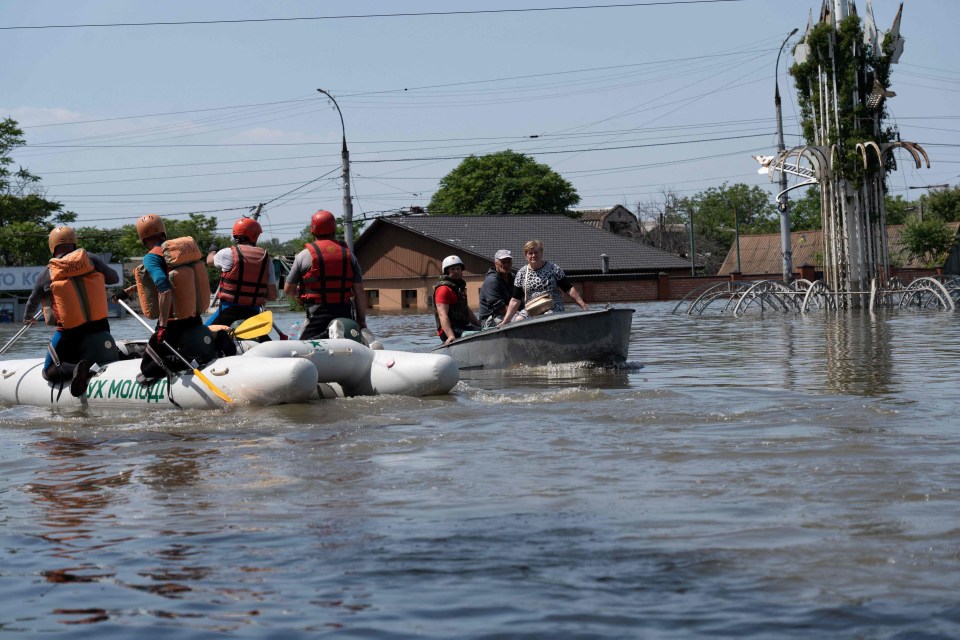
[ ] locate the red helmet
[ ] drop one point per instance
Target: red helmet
(323, 223)
(247, 228)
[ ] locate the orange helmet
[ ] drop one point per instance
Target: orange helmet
(62, 235)
(247, 228)
(150, 225)
(323, 223)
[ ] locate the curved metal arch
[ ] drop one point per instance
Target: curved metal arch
(818, 291)
(819, 164)
(763, 291)
(914, 295)
(914, 149)
(710, 292)
(863, 147)
(720, 291)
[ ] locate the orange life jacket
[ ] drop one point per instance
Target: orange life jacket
(330, 278)
(78, 291)
(188, 280)
(246, 282)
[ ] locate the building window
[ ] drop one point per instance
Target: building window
(408, 298)
(373, 297)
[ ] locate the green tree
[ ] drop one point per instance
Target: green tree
(898, 209)
(942, 204)
(503, 182)
(717, 210)
(928, 240)
(26, 217)
(203, 229)
(805, 212)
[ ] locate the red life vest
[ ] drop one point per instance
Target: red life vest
(330, 278)
(246, 282)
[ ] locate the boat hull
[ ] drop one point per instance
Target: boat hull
(601, 337)
(361, 371)
(247, 381)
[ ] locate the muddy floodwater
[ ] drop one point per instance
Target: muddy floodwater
(775, 477)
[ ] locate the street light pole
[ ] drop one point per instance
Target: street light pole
(345, 157)
(782, 202)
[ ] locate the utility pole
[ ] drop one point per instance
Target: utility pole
(345, 157)
(782, 202)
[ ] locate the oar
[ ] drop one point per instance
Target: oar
(19, 333)
(196, 372)
(254, 326)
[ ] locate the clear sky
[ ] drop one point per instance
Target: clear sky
(625, 102)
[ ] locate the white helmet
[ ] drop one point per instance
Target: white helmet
(451, 261)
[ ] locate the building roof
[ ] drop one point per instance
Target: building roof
(596, 217)
(761, 253)
(572, 244)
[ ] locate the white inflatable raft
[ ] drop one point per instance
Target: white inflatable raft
(247, 380)
(359, 370)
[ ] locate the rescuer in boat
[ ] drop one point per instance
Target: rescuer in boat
(497, 289)
(72, 289)
(450, 302)
(538, 278)
(247, 277)
(174, 290)
(327, 279)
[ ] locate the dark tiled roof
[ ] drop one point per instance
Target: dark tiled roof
(572, 244)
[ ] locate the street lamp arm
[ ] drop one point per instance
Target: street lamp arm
(345, 156)
(776, 76)
(782, 203)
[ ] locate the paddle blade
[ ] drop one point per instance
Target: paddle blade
(253, 331)
(255, 326)
(212, 387)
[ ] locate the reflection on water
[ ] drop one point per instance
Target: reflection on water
(774, 477)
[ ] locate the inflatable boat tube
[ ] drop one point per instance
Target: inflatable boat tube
(247, 380)
(362, 371)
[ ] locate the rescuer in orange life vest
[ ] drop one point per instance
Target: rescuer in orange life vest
(72, 290)
(247, 278)
(174, 290)
(326, 277)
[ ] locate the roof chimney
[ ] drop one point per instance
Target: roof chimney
(604, 263)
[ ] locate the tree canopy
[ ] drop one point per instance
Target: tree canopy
(504, 182)
(26, 217)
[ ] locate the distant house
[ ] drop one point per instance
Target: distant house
(616, 219)
(761, 254)
(401, 255)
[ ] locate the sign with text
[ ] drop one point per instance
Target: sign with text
(23, 278)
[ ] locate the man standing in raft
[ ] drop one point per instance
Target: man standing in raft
(174, 290)
(326, 277)
(72, 288)
(247, 278)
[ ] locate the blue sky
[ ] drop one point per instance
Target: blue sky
(624, 102)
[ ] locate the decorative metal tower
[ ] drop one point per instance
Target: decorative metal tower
(842, 73)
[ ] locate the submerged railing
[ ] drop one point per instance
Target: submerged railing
(740, 297)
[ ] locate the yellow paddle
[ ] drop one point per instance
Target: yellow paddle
(196, 372)
(254, 326)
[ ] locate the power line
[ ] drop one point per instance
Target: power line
(368, 15)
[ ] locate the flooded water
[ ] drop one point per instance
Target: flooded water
(776, 477)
